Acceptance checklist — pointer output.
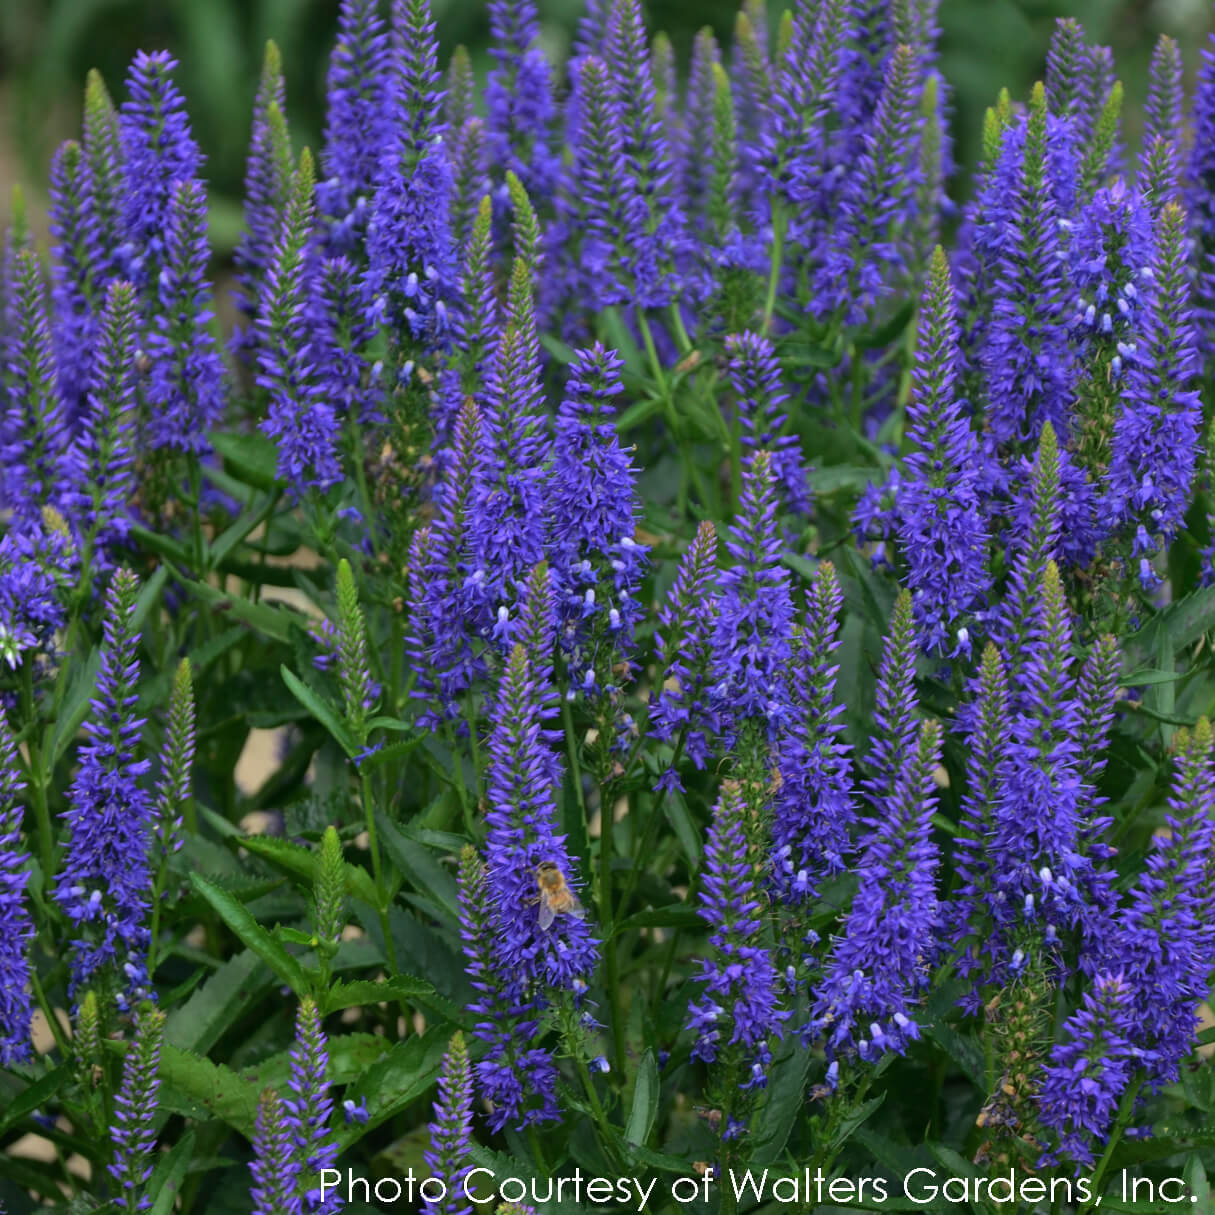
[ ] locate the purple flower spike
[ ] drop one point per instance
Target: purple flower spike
(739, 1007)
(814, 811)
(16, 1005)
(522, 819)
(754, 627)
(353, 122)
(133, 1133)
(309, 1109)
(275, 1189)
(519, 1081)
(940, 522)
(159, 155)
(185, 391)
(1089, 1070)
(881, 962)
(451, 1131)
(755, 376)
(106, 876)
(681, 712)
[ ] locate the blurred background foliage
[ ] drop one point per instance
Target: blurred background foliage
(47, 46)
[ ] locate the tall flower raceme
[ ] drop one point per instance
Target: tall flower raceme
(596, 200)
(864, 256)
(518, 1079)
(694, 170)
(447, 1157)
(753, 629)
(523, 836)
(738, 1013)
(354, 123)
(107, 439)
(104, 884)
(1162, 937)
(443, 640)
(267, 190)
(35, 440)
(411, 276)
(101, 144)
(275, 1169)
(300, 416)
(308, 1109)
(184, 397)
(16, 1006)
(976, 900)
(940, 524)
(509, 524)
(1026, 358)
(77, 273)
(1200, 197)
(680, 711)
(176, 760)
(133, 1132)
(1109, 260)
(895, 707)
(653, 224)
(755, 376)
(159, 153)
(1156, 435)
(592, 498)
(519, 100)
(1037, 848)
(1089, 1069)
(814, 812)
(1164, 107)
(880, 962)
(39, 567)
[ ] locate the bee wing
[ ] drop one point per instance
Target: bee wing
(547, 915)
(576, 909)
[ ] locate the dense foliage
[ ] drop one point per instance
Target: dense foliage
(733, 624)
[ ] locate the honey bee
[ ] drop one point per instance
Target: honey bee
(555, 897)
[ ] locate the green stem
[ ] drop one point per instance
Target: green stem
(776, 262)
(606, 1133)
(377, 870)
(61, 1039)
(1125, 1110)
(571, 751)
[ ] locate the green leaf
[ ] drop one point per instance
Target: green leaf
(676, 915)
(415, 863)
(34, 1095)
(645, 1100)
(1200, 1188)
(190, 1082)
(784, 1102)
(253, 934)
(407, 1071)
(279, 623)
(228, 539)
(250, 458)
(238, 985)
(171, 1166)
(361, 992)
(321, 711)
(1181, 624)
(303, 862)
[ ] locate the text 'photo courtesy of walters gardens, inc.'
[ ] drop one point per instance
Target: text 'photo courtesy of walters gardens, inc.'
(607, 607)
(919, 1189)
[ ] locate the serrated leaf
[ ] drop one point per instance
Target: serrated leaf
(360, 992)
(644, 1109)
(321, 711)
(302, 863)
(415, 863)
(189, 1082)
(674, 915)
(165, 1182)
(238, 985)
(279, 623)
(34, 1095)
(248, 930)
(784, 1101)
(396, 1080)
(1195, 1177)
(251, 458)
